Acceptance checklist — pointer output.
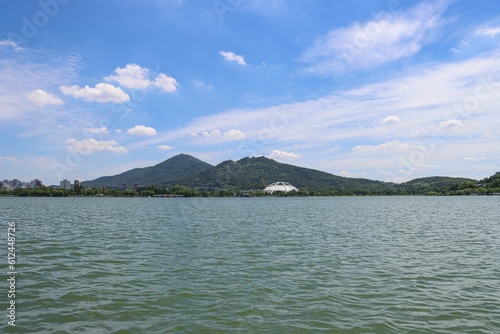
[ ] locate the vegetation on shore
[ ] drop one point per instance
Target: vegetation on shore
(426, 186)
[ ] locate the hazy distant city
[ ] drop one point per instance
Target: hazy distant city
(64, 184)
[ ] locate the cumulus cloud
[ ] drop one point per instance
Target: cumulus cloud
(102, 93)
(386, 38)
(141, 130)
(166, 83)
(42, 98)
(391, 119)
(232, 57)
(213, 133)
(234, 134)
(90, 145)
(276, 154)
(134, 76)
(421, 98)
(164, 147)
(488, 31)
(103, 130)
(131, 76)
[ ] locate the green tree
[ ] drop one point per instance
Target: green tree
(466, 185)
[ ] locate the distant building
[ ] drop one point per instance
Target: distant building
(36, 183)
(9, 185)
(280, 187)
(65, 184)
(16, 184)
(136, 186)
(123, 186)
(111, 187)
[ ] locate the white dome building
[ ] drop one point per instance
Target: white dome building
(280, 187)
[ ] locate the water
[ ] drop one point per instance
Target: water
(255, 265)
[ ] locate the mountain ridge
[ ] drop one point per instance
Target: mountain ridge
(174, 168)
(254, 173)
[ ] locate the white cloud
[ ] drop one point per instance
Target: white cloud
(346, 174)
(488, 31)
(22, 74)
(276, 154)
(451, 124)
(234, 134)
(201, 84)
(12, 160)
(386, 38)
(486, 169)
(472, 159)
(164, 147)
(134, 76)
(131, 76)
(42, 98)
(141, 130)
(102, 93)
(90, 145)
(103, 130)
(391, 119)
(10, 43)
(232, 57)
(213, 133)
(166, 83)
(325, 128)
(387, 147)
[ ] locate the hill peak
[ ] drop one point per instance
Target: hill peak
(182, 158)
(177, 167)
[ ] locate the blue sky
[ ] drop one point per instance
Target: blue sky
(388, 90)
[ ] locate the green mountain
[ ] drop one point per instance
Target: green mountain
(257, 172)
(169, 171)
(492, 181)
(434, 183)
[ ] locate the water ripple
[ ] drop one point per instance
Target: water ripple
(276, 265)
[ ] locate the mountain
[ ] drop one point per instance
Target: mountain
(258, 172)
(176, 168)
(492, 181)
(434, 183)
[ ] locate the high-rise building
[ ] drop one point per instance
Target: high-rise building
(36, 183)
(16, 184)
(65, 184)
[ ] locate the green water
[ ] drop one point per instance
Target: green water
(255, 265)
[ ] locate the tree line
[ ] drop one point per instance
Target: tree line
(488, 186)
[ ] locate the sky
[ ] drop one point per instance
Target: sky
(389, 90)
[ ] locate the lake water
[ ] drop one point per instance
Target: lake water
(255, 265)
